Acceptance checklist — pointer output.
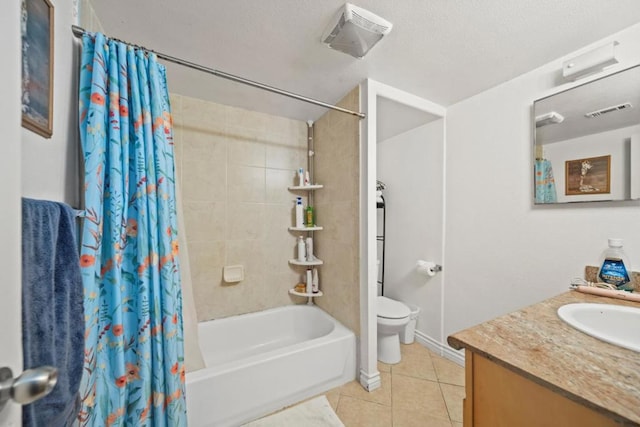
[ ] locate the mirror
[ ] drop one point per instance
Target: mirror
(587, 141)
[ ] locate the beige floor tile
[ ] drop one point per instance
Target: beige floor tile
(455, 424)
(333, 396)
(383, 367)
(416, 362)
(448, 372)
(453, 396)
(381, 395)
(360, 413)
(423, 398)
(403, 418)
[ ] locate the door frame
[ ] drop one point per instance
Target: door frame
(10, 191)
(370, 90)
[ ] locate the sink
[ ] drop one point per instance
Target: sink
(615, 324)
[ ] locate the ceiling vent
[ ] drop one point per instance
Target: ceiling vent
(355, 31)
(611, 109)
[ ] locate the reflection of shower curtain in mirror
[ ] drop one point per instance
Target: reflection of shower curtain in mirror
(545, 184)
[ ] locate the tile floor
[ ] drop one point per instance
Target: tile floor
(423, 390)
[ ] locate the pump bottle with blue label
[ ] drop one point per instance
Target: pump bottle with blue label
(614, 267)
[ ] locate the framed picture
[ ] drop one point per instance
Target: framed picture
(37, 66)
(591, 175)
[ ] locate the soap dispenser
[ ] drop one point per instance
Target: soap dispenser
(614, 267)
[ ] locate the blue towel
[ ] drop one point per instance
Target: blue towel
(52, 308)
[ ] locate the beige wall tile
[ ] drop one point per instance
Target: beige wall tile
(277, 182)
(337, 204)
(205, 221)
(245, 221)
(199, 115)
(204, 166)
(281, 156)
(246, 184)
(245, 151)
(206, 257)
(224, 151)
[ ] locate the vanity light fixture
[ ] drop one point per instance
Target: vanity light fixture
(549, 119)
(355, 31)
(589, 63)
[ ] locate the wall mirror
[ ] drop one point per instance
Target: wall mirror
(587, 141)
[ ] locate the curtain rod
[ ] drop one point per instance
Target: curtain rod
(79, 31)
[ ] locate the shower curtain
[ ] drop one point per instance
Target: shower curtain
(134, 358)
(545, 183)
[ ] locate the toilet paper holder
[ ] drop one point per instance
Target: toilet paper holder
(428, 268)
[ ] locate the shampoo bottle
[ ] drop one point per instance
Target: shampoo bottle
(315, 287)
(300, 177)
(299, 213)
(310, 216)
(614, 266)
(301, 250)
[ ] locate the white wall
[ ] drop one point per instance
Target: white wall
(411, 166)
(50, 166)
(502, 252)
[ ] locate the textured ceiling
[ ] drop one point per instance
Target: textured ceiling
(441, 50)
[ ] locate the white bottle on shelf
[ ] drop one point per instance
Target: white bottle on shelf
(315, 283)
(309, 247)
(309, 281)
(299, 213)
(302, 255)
(300, 177)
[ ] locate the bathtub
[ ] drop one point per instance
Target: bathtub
(260, 362)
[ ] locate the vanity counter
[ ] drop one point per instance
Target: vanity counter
(537, 345)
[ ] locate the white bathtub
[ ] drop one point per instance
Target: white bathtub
(260, 362)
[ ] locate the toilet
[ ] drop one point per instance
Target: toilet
(393, 317)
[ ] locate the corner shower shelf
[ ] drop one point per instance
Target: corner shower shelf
(306, 263)
(306, 187)
(309, 230)
(314, 228)
(305, 294)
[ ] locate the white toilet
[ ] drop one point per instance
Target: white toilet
(393, 317)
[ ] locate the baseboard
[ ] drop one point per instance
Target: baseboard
(439, 348)
(370, 382)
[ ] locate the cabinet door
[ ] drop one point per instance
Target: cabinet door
(500, 397)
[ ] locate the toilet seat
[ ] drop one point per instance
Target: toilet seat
(390, 309)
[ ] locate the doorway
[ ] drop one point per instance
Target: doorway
(398, 117)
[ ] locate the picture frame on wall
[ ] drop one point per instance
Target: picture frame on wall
(590, 175)
(37, 22)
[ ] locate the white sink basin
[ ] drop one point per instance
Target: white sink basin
(615, 324)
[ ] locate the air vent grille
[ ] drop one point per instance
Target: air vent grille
(611, 109)
(365, 23)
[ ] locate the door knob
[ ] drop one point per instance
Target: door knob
(31, 385)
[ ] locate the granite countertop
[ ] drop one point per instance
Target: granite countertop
(536, 344)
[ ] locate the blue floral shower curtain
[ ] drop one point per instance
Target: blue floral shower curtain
(134, 358)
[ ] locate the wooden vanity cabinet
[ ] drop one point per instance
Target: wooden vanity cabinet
(497, 396)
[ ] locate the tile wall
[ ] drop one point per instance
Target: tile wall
(337, 147)
(234, 167)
